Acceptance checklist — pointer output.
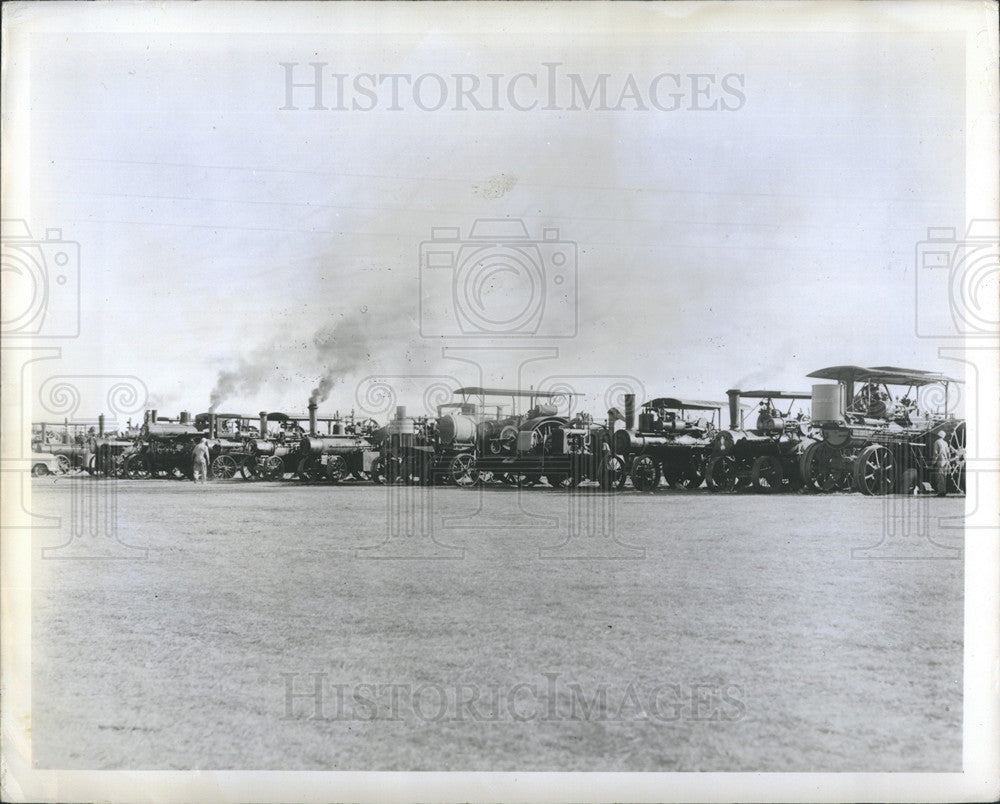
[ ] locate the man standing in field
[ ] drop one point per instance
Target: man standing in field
(200, 457)
(940, 460)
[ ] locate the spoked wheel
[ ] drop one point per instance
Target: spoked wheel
(956, 461)
(766, 474)
(875, 470)
(688, 476)
(336, 468)
(273, 468)
(224, 467)
(463, 471)
(251, 468)
(378, 470)
(611, 474)
(825, 468)
(359, 475)
(137, 467)
(508, 439)
(64, 464)
(39, 470)
(645, 473)
(722, 473)
(309, 469)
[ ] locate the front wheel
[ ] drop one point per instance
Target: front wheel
(64, 464)
(336, 468)
(39, 470)
(721, 473)
(766, 474)
(875, 471)
(463, 471)
(611, 474)
(645, 473)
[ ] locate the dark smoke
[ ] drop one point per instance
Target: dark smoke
(343, 349)
(248, 377)
(346, 348)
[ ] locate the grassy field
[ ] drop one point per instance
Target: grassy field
(308, 627)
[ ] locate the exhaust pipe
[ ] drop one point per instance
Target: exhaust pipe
(100, 426)
(185, 417)
(154, 417)
(734, 408)
(629, 411)
(263, 424)
(312, 418)
(213, 426)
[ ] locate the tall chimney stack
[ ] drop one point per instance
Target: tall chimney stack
(629, 411)
(213, 426)
(100, 425)
(263, 424)
(312, 417)
(185, 417)
(734, 408)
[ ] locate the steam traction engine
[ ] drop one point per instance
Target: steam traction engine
(347, 449)
(767, 457)
(672, 440)
(475, 441)
(271, 452)
(163, 448)
(877, 436)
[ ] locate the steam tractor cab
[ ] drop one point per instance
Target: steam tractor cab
(763, 446)
(480, 437)
(673, 439)
(878, 430)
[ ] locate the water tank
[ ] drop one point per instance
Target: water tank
(456, 428)
(827, 403)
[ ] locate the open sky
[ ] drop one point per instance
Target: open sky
(237, 252)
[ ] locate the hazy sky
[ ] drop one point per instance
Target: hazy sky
(230, 245)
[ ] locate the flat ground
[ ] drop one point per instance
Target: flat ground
(308, 627)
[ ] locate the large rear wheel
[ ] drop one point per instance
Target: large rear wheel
(224, 467)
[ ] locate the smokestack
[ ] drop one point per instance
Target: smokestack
(400, 412)
(263, 424)
(312, 417)
(100, 425)
(734, 408)
(629, 411)
(153, 416)
(185, 417)
(213, 425)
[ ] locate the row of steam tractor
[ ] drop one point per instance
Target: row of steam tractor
(866, 429)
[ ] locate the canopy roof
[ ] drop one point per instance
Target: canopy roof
(682, 404)
(890, 375)
(772, 394)
(475, 390)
